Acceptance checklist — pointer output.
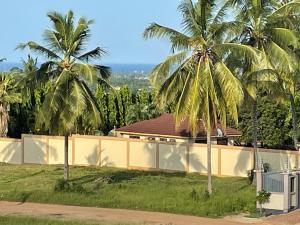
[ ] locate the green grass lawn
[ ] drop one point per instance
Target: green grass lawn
(114, 188)
(18, 220)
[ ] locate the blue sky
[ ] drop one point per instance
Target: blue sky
(118, 28)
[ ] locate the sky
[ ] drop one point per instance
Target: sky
(118, 27)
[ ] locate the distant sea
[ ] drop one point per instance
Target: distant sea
(116, 67)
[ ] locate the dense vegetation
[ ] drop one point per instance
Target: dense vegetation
(114, 188)
(119, 107)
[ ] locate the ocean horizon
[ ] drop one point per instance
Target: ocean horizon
(116, 67)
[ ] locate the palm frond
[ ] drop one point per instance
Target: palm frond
(179, 41)
(39, 49)
(93, 54)
(164, 69)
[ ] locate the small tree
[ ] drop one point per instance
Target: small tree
(9, 94)
(262, 198)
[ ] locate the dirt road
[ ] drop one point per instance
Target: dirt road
(121, 215)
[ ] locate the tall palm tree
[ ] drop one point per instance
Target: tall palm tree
(9, 94)
(70, 73)
(196, 76)
(261, 28)
(290, 11)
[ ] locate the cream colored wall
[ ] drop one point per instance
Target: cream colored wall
(56, 151)
(142, 154)
(198, 160)
(276, 202)
(87, 151)
(35, 150)
(235, 162)
(11, 151)
(172, 157)
(278, 161)
(114, 153)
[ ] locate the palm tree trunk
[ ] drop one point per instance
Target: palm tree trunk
(4, 116)
(254, 135)
(294, 121)
(66, 165)
(209, 179)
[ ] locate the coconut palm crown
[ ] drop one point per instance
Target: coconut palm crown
(195, 76)
(269, 26)
(70, 72)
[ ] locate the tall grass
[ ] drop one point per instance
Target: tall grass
(114, 188)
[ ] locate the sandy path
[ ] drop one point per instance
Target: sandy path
(101, 214)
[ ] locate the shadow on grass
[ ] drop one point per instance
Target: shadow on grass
(22, 177)
(24, 196)
(124, 175)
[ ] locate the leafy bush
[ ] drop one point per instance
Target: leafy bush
(62, 185)
(262, 198)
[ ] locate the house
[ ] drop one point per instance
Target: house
(163, 129)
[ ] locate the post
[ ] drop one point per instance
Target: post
(259, 180)
(297, 189)
(66, 164)
(187, 158)
(157, 156)
(259, 183)
(47, 150)
(128, 154)
(286, 192)
(22, 149)
(219, 162)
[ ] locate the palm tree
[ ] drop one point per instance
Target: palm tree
(290, 11)
(196, 76)
(70, 75)
(9, 94)
(261, 28)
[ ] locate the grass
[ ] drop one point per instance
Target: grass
(114, 188)
(17, 220)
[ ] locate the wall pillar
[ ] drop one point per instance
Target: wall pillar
(286, 192)
(259, 180)
(22, 149)
(297, 189)
(259, 183)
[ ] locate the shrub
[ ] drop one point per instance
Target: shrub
(62, 185)
(262, 198)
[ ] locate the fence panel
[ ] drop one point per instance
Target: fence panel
(273, 182)
(35, 149)
(142, 155)
(10, 151)
(86, 151)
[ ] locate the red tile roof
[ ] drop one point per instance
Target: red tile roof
(165, 125)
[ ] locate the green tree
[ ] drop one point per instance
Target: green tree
(70, 73)
(101, 95)
(273, 123)
(9, 94)
(125, 102)
(259, 27)
(195, 76)
(112, 110)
